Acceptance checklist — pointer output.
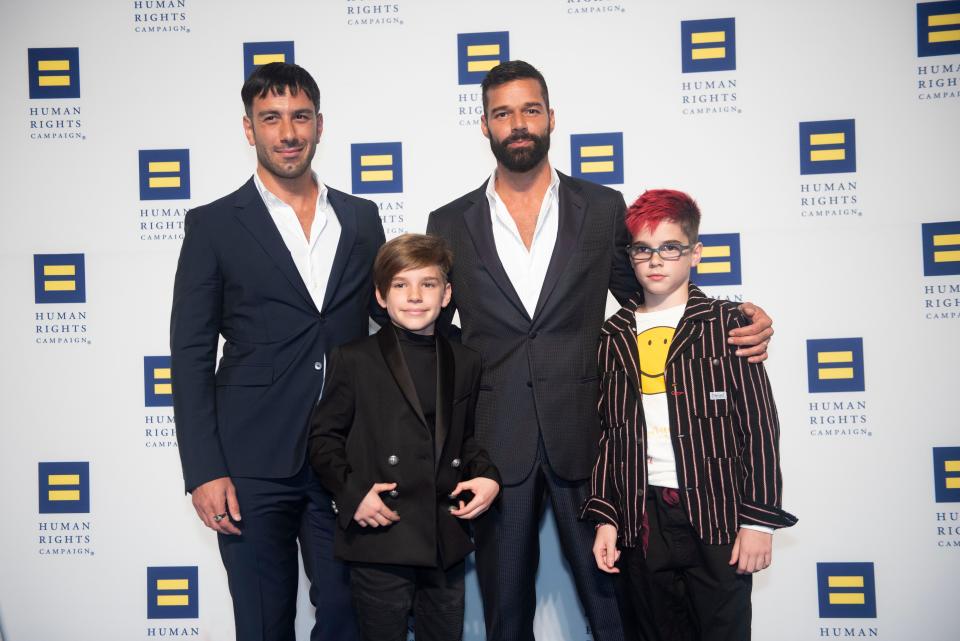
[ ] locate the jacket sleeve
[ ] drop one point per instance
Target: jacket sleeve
(445, 324)
(476, 460)
(757, 429)
(600, 506)
(194, 331)
(377, 313)
(329, 428)
(623, 280)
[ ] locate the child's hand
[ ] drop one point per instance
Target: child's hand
(753, 550)
(373, 511)
(484, 491)
(605, 549)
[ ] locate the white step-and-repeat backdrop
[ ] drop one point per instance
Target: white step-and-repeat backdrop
(822, 140)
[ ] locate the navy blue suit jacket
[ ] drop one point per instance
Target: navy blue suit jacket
(236, 279)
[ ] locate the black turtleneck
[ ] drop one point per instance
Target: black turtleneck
(420, 355)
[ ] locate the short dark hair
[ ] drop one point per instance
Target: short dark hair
(508, 72)
(277, 78)
(410, 251)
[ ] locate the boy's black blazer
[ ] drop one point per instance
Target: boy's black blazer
(369, 428)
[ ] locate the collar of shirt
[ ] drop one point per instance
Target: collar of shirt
(547, 207)
(284, 216)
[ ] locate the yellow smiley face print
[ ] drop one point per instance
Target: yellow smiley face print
(653, 345)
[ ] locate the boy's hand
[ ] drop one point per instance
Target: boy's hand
(484, 491)
(752, 551)
(755, 336)
(373, 511)
(605, 549)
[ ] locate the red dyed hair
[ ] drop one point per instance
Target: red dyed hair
(656, 205)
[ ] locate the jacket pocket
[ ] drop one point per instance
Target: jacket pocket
(711, 391)
(248, 375)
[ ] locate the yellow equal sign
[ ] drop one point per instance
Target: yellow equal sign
(833, 373)
(943, 20)
(816, 140)
(846, 598)
(162, 374)
(59, 285)
(953, 482)
(53, 80)
(715, 267)
(946, 255)
(708, 37)
(376, 175)
(165, 585)
(164, 167)
(266, 58)
(596, 166)
(60, 480)
(482, 50)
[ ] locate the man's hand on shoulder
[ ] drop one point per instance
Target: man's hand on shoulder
(754, 338)
(217, 506)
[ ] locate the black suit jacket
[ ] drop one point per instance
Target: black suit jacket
(236, 279)
(369, 428)
(539, 373)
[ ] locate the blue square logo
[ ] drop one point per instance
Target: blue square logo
(938, 28)
(64, 488)
(835, 365)
(708, 45)
(828, 147)
(941, 248)
(720, 261)
(946, 474)
(257, 54)
(164, 174)
(597, 157)
(846, 591)
(478, 53)
(172, 593)
(157, 381)
(59, 278)
(54, 73)
(377, 167)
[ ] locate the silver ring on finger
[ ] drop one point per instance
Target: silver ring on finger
(219, 517)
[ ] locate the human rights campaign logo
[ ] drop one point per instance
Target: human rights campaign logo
(64, 488)
(257, 54)
(172, 593)
(938, 28)
(157, 381)
(828, 147)
(377, 167)
(54, 73)
(720, 260)
(846, 591)
(941, 248)
(478, 53)
(835, 365)
(946, 474)
(164, 174)
(59, 278)
(708, 45)
(597, 157)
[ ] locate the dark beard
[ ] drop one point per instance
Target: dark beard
(521, 160)
(282, 171)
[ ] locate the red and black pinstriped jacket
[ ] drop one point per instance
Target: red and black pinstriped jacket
(723, 424)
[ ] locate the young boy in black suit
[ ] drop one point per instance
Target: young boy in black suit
(392, 440)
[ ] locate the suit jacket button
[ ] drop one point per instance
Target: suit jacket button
(533, 335)
(318, 366)
(394, 494)
(529, 383)
(455, 463)
(715, 361)
(392, 459)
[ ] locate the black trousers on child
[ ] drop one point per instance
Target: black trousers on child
(383, 596)
(684, 590)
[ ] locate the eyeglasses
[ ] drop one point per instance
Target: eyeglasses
(667, 251)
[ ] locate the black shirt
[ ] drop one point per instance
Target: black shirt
(420, 355)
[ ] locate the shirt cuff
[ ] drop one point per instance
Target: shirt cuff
(758, 528)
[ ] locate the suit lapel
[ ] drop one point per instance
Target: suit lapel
(390, 347)
(446, 370)
(343, 208)
(622, 329)
(253, 215)
(572, 212)
(477, 221)
(698, 309)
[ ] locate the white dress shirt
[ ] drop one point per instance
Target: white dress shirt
(313, 256)
(526, 268)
